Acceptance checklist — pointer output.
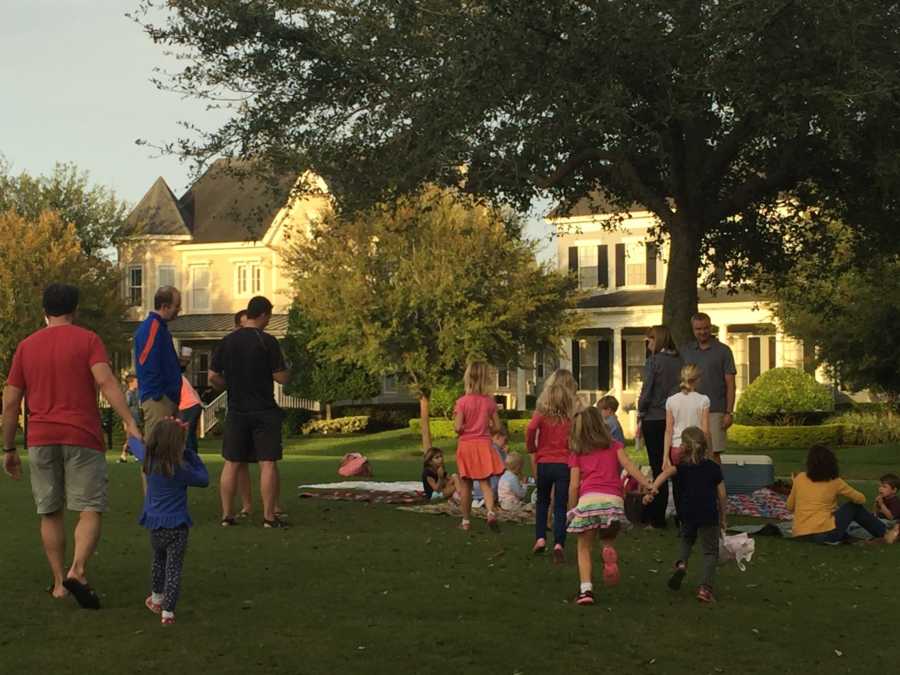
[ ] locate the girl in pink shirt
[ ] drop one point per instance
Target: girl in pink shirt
(547, 440)
(595, 496)
(474, 418)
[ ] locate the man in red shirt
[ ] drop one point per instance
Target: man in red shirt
(59, 369)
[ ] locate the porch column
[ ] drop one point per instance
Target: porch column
(617, 364)
(779, 349)
(521, 389)
(723, 334)
(565, 359)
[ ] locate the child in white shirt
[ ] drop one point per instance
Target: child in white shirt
(511, 489)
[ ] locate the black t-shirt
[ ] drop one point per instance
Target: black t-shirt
(427, 473)
(699, 491)
(247, 358)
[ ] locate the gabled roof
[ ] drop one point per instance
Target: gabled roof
(647, 297)
(211, 326)
(157, 213)
(594, 203)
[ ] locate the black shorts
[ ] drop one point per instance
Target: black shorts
(253, 437)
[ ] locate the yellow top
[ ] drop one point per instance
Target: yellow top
(814, 503)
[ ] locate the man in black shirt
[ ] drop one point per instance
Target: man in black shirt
(245, 363)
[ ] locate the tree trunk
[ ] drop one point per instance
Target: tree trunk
(680, 300)
(327, 411)
(425, 418)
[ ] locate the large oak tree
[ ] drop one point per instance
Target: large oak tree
(707, 112)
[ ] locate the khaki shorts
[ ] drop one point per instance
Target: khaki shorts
(717, 434)
(154, 411)
(67, 475)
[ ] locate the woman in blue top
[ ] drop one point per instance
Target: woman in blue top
(170, 469)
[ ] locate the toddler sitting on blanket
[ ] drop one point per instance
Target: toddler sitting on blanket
(511, 488)
(887, 503)
(436, 482)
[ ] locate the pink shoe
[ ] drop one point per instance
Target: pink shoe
(465, 525)
(152, 606)
(167, 620)
(559, 555)
(492, 521)
(610, 566)
(705, 595)
(539, 547)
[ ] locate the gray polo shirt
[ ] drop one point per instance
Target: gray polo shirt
(715, 362)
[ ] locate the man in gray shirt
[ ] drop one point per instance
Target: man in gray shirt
(716, 362)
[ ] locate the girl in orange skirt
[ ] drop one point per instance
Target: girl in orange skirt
(474, 418)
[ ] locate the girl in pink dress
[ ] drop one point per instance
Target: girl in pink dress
(596, 496)
(474, 418)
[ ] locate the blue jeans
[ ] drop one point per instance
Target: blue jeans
(844, 517)
(552, 477)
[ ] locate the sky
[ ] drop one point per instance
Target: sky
(75, 81)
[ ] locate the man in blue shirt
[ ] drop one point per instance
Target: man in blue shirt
(156, 362)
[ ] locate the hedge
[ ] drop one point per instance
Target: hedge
(774, 438)
(339, 425)
(441, 428)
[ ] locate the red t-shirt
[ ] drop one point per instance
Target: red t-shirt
(53, 367)
(600, 471)
(477, 410)
(548, 437)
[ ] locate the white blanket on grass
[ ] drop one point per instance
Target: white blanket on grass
(373, 485)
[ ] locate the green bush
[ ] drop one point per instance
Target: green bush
(339, 425)
(441, 428)
(774, 438)
(784, 396)
(515, 414)
(294, 419)
(869, 428)
(382, 416)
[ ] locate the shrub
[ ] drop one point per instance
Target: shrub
(294, 419)
(869, 428)
(443, 398)
(784, 396)
(515, 414)
(382, 416)
(441, 428)
(339, 425)
(774, 438)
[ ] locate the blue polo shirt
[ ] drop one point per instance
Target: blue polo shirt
(157, 368)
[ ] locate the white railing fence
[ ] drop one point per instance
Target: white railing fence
(209, 416)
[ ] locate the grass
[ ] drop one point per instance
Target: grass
(357, 588)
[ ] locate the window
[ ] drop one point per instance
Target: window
(635, 358)
(539, 365)
(635, 265)
(389, 384)
(200, 366)
(588, 364)
(587, 266)
(199, 287)
(249, 279)
(502, 378)
(136, 286)
(165, 275)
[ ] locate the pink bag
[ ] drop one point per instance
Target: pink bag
(737, 547)
(355, 464)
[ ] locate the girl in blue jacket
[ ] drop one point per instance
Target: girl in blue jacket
(170, 469)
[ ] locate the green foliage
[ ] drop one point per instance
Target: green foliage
(869, 428)
(442, 428)
(36, 253)
(444, 396)
(94, 210)
(765, 438)
(294, 419)
(383, 416)
(339, 425)
(419, 288)
(708, 113)
(783, 394)
(317, 376)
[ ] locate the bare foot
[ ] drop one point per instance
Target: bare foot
(58, 592)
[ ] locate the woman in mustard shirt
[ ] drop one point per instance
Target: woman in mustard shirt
(813, 501)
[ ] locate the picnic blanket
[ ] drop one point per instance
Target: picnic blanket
(525, 514)
(380, 492)
(763, 503)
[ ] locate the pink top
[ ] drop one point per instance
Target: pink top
(548, 438)
(477, 410)
(600, 471)
(189, 396)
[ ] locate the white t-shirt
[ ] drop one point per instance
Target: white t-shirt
(687, 411)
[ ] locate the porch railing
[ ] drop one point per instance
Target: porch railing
(209, 416)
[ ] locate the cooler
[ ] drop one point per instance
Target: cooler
(747, 473)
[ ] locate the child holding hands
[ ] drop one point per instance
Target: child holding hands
(595, 496)
(702, 507)
(170, 469)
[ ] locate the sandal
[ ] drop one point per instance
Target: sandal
(228, 521)
(275, 524)
(705, 594)
(492, 521)
(465, 525)
(83, 593)
(540, 545)
(152, 606)
(244, 514)
(167, 620)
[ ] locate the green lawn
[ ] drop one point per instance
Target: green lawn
(354, 588)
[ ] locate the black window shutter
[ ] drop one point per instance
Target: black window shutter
(624, 367)
(603, 266)
(620, 265)
(753, 347)
(576, 361)
(573, 258)
(771, 352)
(651, 264)
(603, 369)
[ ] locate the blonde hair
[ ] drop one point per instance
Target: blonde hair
(694, 445)
(514, 462)
(690, 375)
(662, 338)
(559, 397)
(165, 447)
(476, 378)
(589, 432)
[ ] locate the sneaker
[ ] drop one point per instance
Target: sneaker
(167, 620)
(585, 598)
(228, 521)
(559, 555)
(610, 566)
(677, 576)
(465, 525)
(152, 606)
(492, 521)
(122, 460)
(539, 547)
(275, 524)
(705, 594)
